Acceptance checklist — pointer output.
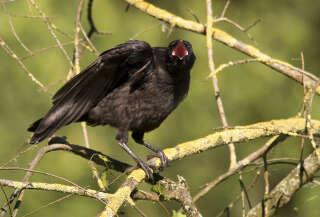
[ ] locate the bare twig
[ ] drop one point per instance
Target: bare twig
(76, 38)
(150, 196)
(232, 203)
(44, 49)
(243, 196)
(49, 26)
(94, 170)
(293, 126)
(193, 15)
(223, 13)
(140, 212)
(241, 164)
(93, 28)
(96, 52)
(238, 26)
(144, 31)
(86, 153)
(101, 196)
(233, 157)
(3, 4)
(223, 37)
(14, 56)
(7, 199)
(231, 63)
(283, 191)
(47, 205)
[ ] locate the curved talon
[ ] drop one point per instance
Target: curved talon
(148, 171)
(163, 158)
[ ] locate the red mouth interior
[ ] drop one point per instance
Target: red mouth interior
(180, 50)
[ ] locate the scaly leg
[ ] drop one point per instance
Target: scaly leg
(138, 137)
(122, 138)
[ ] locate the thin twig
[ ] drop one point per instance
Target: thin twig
(232, 203)
(139, 211)
(76, 39)
(86, 153)
(44, 49)
(231, 63)
(243, 205)
(223, 13)
(266, 175)
(93, 28)
(14, 56)
(13, 29)
(241, 164)
(193, 15)
(7, 199)
(101, 196)
(49, 26)
(284, 190)
(225, 38)
(233, 157)
(47, 205)
(144, 31)
(96, 52)
(292, 126)
(94, 170)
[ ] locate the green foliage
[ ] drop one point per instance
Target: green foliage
(158, 188)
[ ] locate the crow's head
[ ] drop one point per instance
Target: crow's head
(181, 54)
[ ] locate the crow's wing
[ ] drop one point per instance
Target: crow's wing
(114, 67)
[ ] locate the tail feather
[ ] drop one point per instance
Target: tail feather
(38, 137)
(57, 117)
(48, 125)
(34, 126)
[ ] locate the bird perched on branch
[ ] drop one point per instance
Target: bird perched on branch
(132, 87)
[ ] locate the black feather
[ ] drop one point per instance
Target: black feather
(132, 87)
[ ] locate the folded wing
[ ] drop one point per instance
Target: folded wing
(113, 68)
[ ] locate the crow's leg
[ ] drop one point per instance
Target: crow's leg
(138, 137)
(122, 138)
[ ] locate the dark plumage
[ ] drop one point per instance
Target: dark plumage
(132, 87)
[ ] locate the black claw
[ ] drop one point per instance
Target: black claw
(163, 158)
(148, 171)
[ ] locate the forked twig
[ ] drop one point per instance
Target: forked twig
(233, 157)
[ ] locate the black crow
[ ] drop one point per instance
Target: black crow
(132, 87)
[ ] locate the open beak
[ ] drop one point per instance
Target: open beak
(180, 50)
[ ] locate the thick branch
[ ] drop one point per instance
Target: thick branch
(86, 153)
(293, 72)
(92, 155)
(292, 126)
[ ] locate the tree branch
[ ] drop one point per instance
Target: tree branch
(282, 193)
(292, 126)
(56, 187)
(223, 118)
(285, 68)
(241, 164)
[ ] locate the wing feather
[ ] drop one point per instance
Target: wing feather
(85, 90)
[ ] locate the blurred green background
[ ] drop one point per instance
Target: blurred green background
(251, 93)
